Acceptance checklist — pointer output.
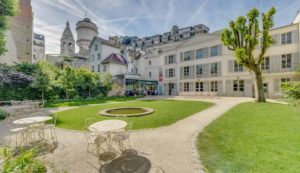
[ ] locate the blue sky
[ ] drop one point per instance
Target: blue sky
(147, 17)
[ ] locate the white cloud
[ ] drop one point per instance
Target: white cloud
(144, 17)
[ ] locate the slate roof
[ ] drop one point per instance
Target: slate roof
(116, 58)
(103, 41)
(67, 31)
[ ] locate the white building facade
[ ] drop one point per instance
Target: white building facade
(201, 65)
(100, 49)
(38, 48)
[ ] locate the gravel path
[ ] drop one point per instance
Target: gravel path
(171, 148)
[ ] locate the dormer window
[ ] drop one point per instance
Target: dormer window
(70, 44)
(96, 47)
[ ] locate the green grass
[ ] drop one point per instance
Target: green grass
(86, 101)
(253, 138)
(166, 113)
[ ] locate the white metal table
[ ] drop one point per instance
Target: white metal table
(35, 125)
(108, 126)
(32, 120)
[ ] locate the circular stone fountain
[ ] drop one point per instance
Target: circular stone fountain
(126, 112)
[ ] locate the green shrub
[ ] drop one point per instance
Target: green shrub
(291, 90)
(25, 162)
(3, 114)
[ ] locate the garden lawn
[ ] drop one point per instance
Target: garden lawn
(253, 138)
(166, 113)
(87, 101)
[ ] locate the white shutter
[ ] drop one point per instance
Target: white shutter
(295, 36)
(219, 69)
(206, 86)
(276, 83)
(220, 88)
(220, 49)
(181, 57)
(206, 70)
(228, 88)
(230, 66)
(295, 61)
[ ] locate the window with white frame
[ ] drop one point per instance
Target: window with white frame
(186, 87)
(171, 72)
(149, 62)
(214, 68)
(238, 67)
(286, 38)
(199, 87)
(238, 85)
(187, 56)
(93, 68)
(214, 86)
(202, 53)
(186, 35)
(98, 67)
(265, 65)
(286, 61)
(214, 50)
(283, 80)
(171, 59)
(150, 75)
(96, 47)
(98, 56)
(104, 68)
(199, 70)
(186, 71)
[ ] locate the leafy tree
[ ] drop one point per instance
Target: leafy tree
(87, 81)
(26, 68)
(7, 8)
(242, 37)
(67, 80)
(106, 82)
(42, 80)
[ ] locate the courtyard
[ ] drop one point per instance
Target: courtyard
(165, 144)
(149, 86)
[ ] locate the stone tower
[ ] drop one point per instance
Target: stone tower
(86, 31)
(67, 42)
(19, 35)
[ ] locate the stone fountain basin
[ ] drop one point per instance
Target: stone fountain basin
(126, 112)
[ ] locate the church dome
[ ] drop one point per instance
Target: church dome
(86, 23)
(86, 30)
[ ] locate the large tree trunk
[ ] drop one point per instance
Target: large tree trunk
(259, 86)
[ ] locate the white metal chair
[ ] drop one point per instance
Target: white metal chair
(123, 137)
(19, 132)
(51, 128)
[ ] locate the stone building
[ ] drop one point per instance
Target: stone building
(19, 35)
(86, 30)
(67, 42)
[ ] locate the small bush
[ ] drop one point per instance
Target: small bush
(3, 114)
(24, 162)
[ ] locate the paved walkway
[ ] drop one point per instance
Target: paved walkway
(171, 148)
